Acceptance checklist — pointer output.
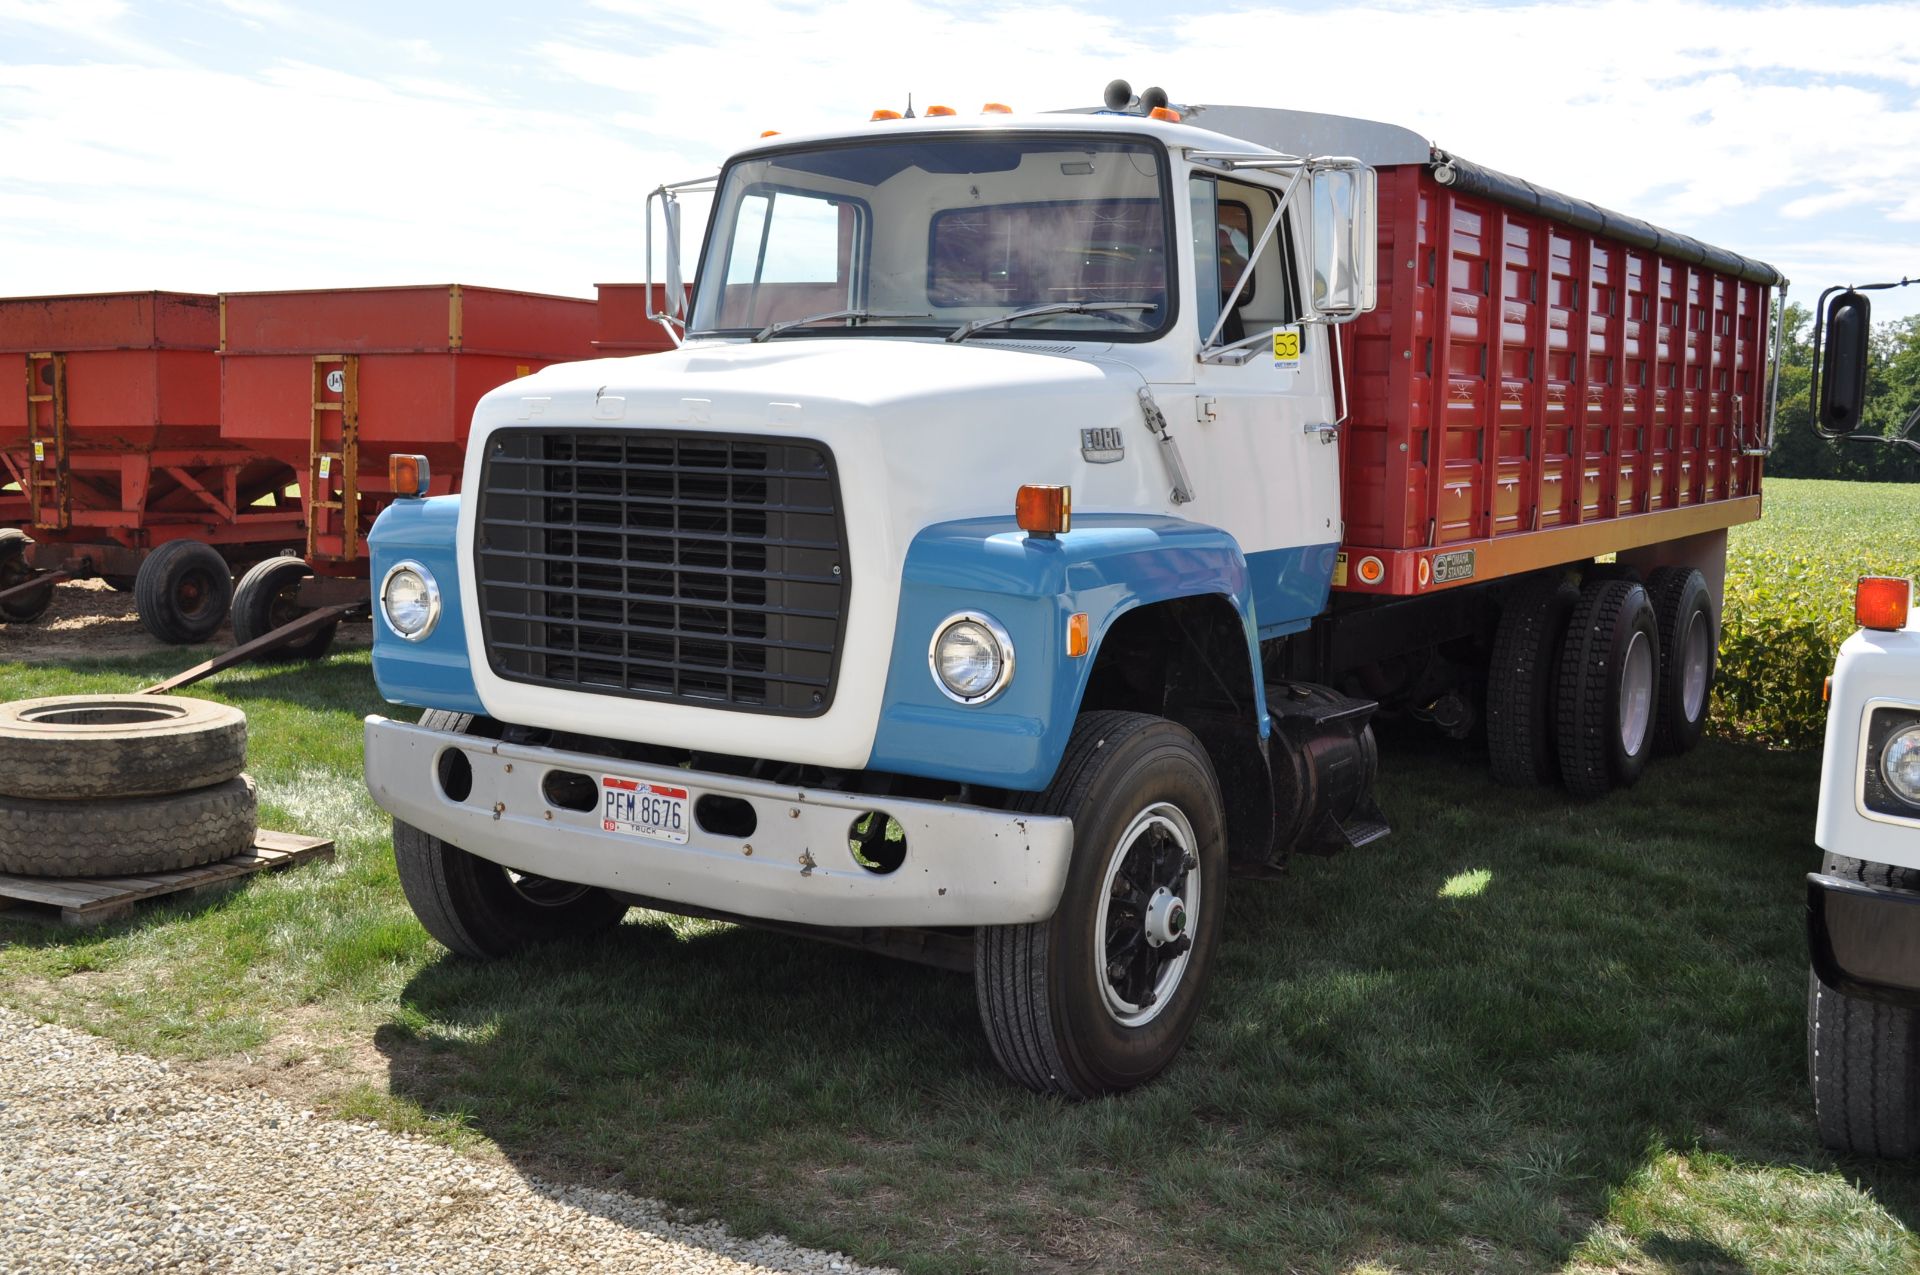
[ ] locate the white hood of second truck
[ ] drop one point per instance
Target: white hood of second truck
(921, 432)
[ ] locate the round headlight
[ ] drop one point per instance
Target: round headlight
(410, 601)
(1900, 765)
(972, 658)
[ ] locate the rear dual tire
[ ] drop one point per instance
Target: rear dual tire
(1604, 703)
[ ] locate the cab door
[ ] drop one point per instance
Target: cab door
(1263, 451)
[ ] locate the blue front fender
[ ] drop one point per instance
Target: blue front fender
(433, 672)
(1106, 566)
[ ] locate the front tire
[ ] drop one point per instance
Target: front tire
(1863, 1057)
(480, 910)
(1101, 997)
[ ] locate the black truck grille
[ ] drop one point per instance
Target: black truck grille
(694, 568)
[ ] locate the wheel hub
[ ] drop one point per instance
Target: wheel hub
(1144, 933)
(1636, 694)
(1166, 917)
(1693, 676)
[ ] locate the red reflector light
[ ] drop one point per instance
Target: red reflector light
(1881, 602)
(407, 475)
(1044, 510)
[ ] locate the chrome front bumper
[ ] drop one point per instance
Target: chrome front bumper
(964, 865)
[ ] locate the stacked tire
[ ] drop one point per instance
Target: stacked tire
(119, 785)
(1587, 680)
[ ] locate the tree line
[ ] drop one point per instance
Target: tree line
(1893, 395)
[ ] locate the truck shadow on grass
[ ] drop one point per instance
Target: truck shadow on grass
(1520, 1033)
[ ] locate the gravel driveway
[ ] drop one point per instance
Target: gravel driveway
(115, 1162)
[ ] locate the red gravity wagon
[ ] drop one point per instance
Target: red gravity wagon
(336, 383)
(115, 466)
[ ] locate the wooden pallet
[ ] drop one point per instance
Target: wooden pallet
(93, 900)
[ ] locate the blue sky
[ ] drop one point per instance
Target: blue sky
(226, 145)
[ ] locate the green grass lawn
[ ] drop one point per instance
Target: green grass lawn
(1521, 1034)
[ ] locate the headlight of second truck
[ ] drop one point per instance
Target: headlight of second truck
(1900, 765)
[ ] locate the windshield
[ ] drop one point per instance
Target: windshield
(926, 233)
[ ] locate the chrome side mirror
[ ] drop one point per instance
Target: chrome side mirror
(1345, 251)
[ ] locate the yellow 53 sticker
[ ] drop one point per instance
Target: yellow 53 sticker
(1286, 346)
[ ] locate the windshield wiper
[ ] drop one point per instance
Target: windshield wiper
(775, 329)
(972, 326)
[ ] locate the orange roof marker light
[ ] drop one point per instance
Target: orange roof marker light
(884, 114)
(1043, 510)
(772, 132)
(996, 108)
(1882, 602)
(1166, 113)
(940, 110)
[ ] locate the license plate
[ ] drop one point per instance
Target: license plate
(642, 809)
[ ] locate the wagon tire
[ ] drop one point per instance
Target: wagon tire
(182, 592)
(475, 907)
(265, 599)
(1604, 700)
(82, 747)
(22, 608)
(1064, 1012)
(1521, 677)
(1689, 652)
(1863, 1057)
(127, 838)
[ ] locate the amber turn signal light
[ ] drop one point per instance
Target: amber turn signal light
(1881, 602)
(1077, 634)
(1044, 511)
(408, 475)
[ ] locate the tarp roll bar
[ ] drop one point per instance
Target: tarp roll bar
(1471, 179)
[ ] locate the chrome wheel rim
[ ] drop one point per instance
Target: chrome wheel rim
(1696, 654)
(1636, 693)
(1149, 905)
